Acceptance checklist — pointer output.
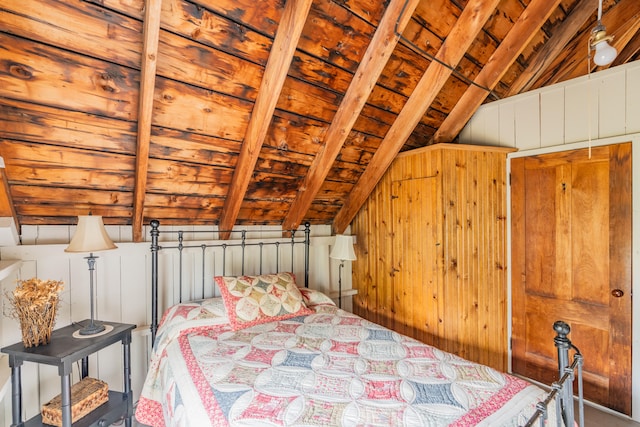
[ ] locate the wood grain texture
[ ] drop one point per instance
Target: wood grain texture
(380, 48)
(148, 69)
(571, 251)
(283, 49)
(512, 45)
(462, 34)
(432, 251)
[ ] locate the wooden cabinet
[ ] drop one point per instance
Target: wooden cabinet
(431, 248)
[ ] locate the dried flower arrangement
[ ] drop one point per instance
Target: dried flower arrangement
(35, 303)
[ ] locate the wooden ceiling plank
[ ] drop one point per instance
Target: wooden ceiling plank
(545, 56)
(147, 85)
(464, 32)
(629, 51)
(378, 52)
(533, 17)
(275, 73)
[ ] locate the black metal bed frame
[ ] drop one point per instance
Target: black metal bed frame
(224, 245)
(562, 390)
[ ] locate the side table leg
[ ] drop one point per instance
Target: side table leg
(65, 385)
(85, 367)
(126, 344)
(16, 396)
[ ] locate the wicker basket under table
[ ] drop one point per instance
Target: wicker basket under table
(86, 395)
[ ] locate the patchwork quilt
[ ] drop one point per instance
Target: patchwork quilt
(329, 368)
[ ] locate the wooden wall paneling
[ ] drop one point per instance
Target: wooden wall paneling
(460, 282)
(552, 117)
(364, 271)
(507, 119)
(632, 101)
(384, 302)
(109, 296)
(580, 111)
(579, 107)
(452, 197)
(528, 129)
(133, 298)
(611, 112)
(375, 268)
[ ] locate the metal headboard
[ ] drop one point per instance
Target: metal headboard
(243, 243)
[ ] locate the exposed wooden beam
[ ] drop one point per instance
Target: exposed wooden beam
(463, 33)
(275, 74)
(378, 52)
(529, 22)
(151, 34)
(7, 208)
(545, 56)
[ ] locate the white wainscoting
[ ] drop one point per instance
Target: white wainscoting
(123, 286)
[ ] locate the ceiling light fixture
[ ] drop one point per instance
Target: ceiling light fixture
(599, 42)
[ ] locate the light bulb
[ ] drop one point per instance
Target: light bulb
(605, 53)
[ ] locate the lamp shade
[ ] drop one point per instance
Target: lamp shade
(90, 236)
(343, 248)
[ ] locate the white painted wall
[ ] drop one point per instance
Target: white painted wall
(600, 109)
(122, 286)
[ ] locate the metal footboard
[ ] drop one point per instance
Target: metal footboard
(562, 390)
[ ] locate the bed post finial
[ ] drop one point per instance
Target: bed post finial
(562, 343)
(561, 328)
(155, 232)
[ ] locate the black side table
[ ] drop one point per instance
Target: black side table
(62, 351)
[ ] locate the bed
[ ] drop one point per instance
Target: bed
(269, 351)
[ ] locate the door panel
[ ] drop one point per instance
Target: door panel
(571, 251)
(415, 281)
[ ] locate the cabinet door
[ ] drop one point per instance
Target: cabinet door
(415, 284)
(571, 258)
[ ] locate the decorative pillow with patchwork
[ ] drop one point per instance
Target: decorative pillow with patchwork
(313, 297)
(252, 300)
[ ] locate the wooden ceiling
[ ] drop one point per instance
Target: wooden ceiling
(280, 112)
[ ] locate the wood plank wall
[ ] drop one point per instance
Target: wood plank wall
(431, 248)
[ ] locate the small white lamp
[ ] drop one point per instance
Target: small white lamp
(342, 250)
(90, 237)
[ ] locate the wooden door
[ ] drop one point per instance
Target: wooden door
(415, 292)
(571, 261)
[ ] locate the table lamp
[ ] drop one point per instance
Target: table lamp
(342, 250)
(90, 237)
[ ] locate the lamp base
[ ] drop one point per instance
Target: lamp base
(92, 329)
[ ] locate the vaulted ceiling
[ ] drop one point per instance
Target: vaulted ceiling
(280, 112)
